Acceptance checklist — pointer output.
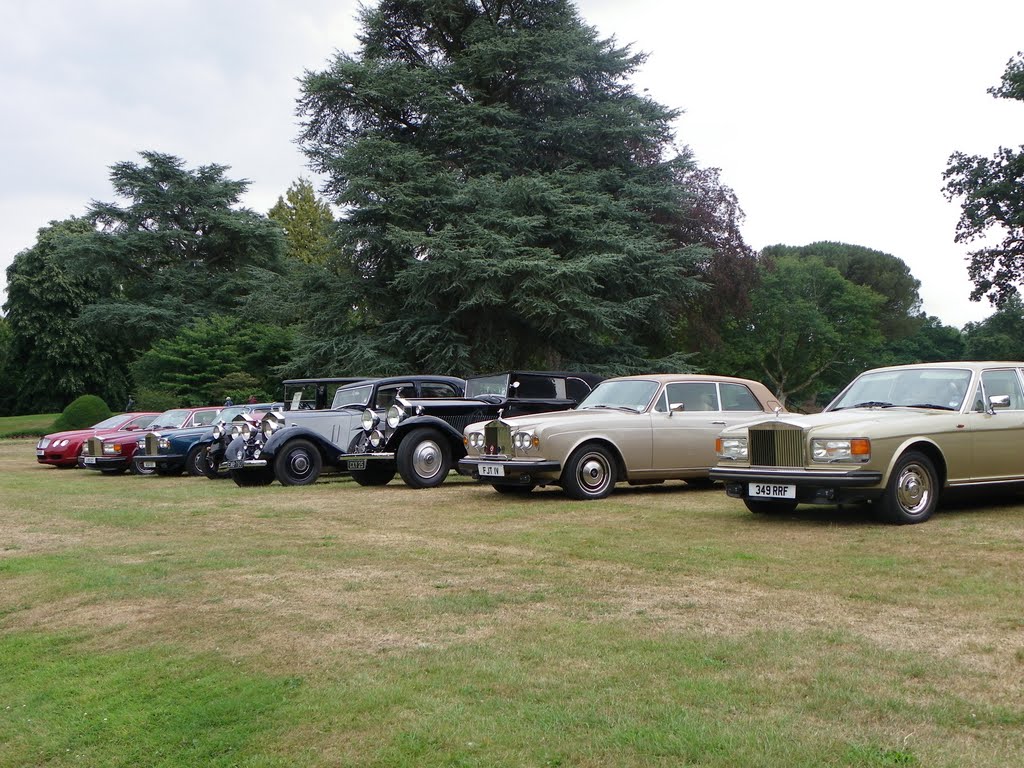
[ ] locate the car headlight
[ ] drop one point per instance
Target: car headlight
(376, 439)
(829, 451)
(218, 430)
(110, 449)
(140, 445)
(271, 423)
(475, 440)
(731, 448)
(395, 415)
(524, 441)
(369, 420)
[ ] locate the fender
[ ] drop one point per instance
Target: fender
(454, 436)
(329, 450)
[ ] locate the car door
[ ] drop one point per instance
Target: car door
(996, 435)
(685, 423)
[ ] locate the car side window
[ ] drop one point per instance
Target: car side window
(736, 397)
(661, 406)
(1003, 381)
(386, 396)
(438, 389)
(693, 395)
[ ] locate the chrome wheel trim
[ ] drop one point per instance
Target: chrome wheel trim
(593, 473)
(427, 459)
(299, 463)
(913, 489)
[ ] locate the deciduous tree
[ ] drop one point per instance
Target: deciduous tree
(991, 190)
(307, 222)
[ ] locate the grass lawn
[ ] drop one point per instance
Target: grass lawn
(35, 424)
(149, 621)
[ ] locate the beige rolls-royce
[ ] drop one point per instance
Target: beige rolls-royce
(895, 437)
(633, 429)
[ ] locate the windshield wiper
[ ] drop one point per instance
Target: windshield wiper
(929, 405)
(629, 408)
(867, 404)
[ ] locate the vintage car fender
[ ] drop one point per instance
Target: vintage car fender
(413, 422)
(917, 442)
(286, 434)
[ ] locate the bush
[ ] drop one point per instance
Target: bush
(82, 413)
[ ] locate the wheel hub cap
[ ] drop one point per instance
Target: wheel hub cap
(427, 459)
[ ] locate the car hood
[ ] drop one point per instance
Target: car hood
(71, 433)
(855, 421)
(589, 418)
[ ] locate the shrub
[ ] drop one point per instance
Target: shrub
(82, 413)
(156, 400)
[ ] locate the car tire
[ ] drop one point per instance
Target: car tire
(136, 468)
(589, 473)
(195, 461)
(376, 473)
(424, 458)
(298, 462)
(252, 478)
(760, 507)
(912, 492)
(513, 490)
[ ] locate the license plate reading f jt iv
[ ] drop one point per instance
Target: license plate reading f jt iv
(490, 470)
(771, 491)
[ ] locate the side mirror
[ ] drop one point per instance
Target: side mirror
(676, 407)
(998, 401)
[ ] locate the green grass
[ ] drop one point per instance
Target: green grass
(33, 425)
(180, 622)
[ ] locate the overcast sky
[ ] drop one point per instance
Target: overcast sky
(831, 121)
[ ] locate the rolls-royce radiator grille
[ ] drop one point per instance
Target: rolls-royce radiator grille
(461, 422)
(497, 439)
(776, 447)
(152, 444)
(95, 446)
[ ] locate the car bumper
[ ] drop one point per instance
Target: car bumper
(103, 462)
(56, 459)
(510, 471)
(809, 486)
(160, 460)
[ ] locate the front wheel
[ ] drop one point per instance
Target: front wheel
(252, 478)
(376, 473)
(297, 463)
(424, 458)
(589, 473)
(759, 507)
(195, 461)
(913, 490)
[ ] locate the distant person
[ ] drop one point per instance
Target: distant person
(130, 405)
(253, 400)
(228, 402)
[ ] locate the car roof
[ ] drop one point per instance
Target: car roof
(670, 377)
(973, 365)
(417, 377)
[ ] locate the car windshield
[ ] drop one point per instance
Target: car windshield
(227, 414)
(487, 385)
(941, 388)
(352, 396)
(633, 395)
(170, 419)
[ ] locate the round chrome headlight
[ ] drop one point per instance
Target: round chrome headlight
(523, 441)
(376, 439)
(369, 420)
(395, 415)
(271, 423)
(140, 445)
(476, 440)
(218, 430)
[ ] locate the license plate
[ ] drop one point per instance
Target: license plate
(89, 460)
(149, 465)
(490, 470)
(232, 464)
(770, 491)
(40, 453)
(356, 464)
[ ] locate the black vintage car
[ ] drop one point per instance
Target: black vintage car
(422, 439)
(294, 446)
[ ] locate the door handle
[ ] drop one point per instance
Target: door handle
(718, 423)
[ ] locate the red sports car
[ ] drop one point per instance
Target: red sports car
(61, 449)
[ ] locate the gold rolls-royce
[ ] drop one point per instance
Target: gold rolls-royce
(895, 437)
(635, 429)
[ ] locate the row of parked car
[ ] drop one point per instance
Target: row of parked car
(895, 437)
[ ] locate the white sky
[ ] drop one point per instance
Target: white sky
(831, 121)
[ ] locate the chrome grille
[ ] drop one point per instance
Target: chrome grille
(497, 438)
(776, 446)
(152, 444)
(459, 423)
(95, 446)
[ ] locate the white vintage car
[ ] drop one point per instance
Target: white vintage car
(634, 429)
